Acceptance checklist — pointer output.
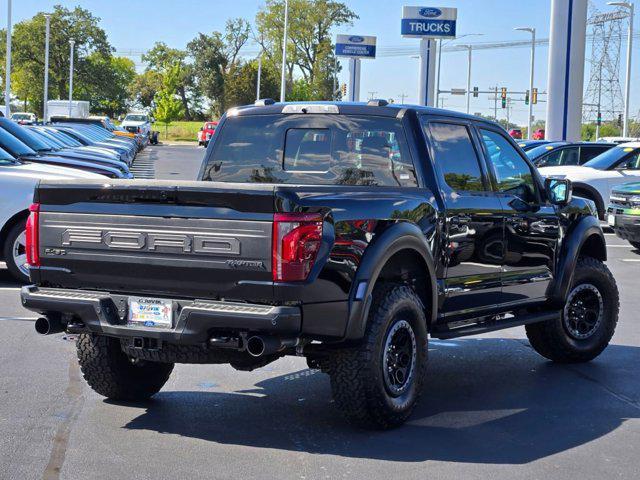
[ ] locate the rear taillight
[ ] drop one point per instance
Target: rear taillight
(33, 236)
(296, 242)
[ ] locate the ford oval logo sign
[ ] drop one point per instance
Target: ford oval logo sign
(356, 39)
(430, 12)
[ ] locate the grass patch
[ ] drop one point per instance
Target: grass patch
(179, 131)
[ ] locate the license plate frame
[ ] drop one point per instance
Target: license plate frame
(150, 313)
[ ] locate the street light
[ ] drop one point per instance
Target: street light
(627, 88)
(7, 73)
(469, 52)
(259, 77)
(71, 44)
(283, 77)
(440, 44)
(532, 31)
(47, 18)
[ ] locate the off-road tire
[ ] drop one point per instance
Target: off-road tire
(357, 377)
(7, 251)
(113, 374)
(552, 339)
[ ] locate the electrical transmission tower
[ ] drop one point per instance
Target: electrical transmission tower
(604, 94)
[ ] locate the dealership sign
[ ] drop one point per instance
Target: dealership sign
(429, 22)
(355, 46)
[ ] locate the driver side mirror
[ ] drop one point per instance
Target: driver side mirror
(559, 190)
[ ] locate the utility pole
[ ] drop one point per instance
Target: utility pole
(47, 18)
(470, 50)
(495, 105)
(402, 97)
(532, 31)
(627, 87)
(335, 77)
(372, 95)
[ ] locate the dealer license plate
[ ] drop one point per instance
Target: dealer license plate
(611, 219)
(150, 312)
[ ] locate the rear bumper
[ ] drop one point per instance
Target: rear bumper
(195, 321)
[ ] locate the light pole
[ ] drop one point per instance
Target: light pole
(627, 87)
(469, 57)
(532, 31)
(440, 44)
(71, 44)
(7, 73)
(47, 18)
(283, 77)
(259, 77)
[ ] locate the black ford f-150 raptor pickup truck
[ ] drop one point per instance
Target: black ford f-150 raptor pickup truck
(345, 233)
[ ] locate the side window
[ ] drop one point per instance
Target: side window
(456, 157)
(552, 159)
(632, 162)
(570, 156)
(589, 153)
(513, 175)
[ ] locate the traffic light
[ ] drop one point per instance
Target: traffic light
(504, 102)
(504, 94)
(599, 119)
(526, 98)
(534, 96)
(344, 89)
(475, 92)
(619, 120)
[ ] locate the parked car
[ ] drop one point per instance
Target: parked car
(17, 183)
(98, 134)
(206, 132)
(527, 145)
(378, 225)
(554, 154)
(624, 212)
(539, 134)
(595, 179)
(516, 133)
(137, 123)
(45, 147)
(24, 118)
(618, 140)
(104, 124)
(21, 151)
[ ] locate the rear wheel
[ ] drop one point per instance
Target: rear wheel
(115, 375)
(378, 383)
(588, 319)
(15, 252)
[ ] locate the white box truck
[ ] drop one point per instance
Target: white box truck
(60, 108)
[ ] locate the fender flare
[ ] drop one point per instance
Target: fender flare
(401, 236)
(595, 194)
(572, 244)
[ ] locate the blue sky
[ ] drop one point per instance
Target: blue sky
(136, 25)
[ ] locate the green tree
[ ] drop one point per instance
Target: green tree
(241, 81)
(168, 107)
(144, 87)
(28, 54)
(159, 57)
(109, 94)
(310, 35)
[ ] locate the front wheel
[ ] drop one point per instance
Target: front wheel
(15, 252)
(587, 321)
(377, 384)
(115, 375)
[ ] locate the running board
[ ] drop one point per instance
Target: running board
(485, 326)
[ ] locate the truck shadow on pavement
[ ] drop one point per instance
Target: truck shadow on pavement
(490, 401)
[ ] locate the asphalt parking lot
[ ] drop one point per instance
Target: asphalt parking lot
(492, 408)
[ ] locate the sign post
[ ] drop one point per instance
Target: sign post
(428, 24)
(355, 48)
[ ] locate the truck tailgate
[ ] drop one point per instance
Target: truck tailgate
(186, 240)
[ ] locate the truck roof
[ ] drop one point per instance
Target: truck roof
(374, 107)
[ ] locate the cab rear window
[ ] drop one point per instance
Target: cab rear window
(311, 149)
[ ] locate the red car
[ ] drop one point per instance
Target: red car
(206, 132)
(516, 133)
(539, 134)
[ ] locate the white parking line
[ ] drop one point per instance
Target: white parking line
(620, 246)
(19, 319)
